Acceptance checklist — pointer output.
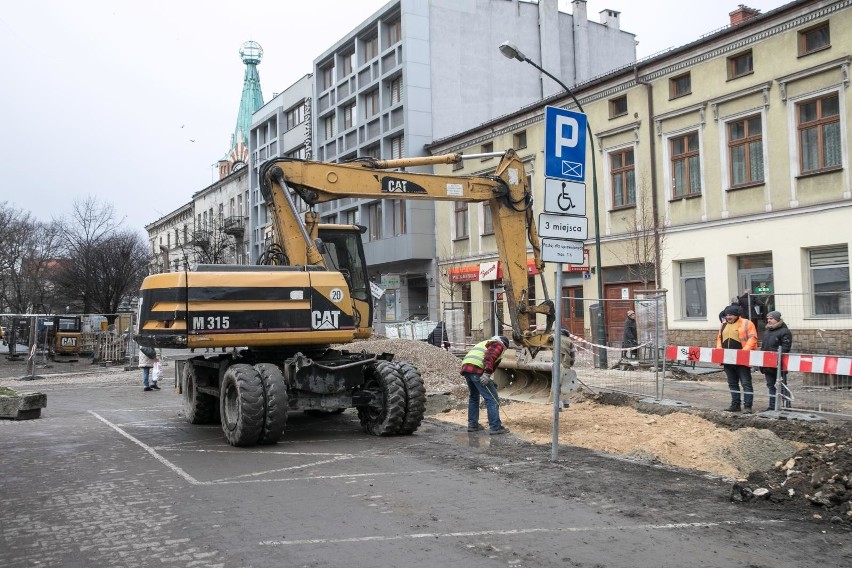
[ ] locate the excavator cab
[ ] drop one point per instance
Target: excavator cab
(343, 252)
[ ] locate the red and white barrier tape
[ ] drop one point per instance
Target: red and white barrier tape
(789, 362)
(578, 339)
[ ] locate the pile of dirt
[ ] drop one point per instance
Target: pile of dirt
(819, 475)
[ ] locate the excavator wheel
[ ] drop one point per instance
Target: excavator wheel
(199, 408)
(241, 405)
(415, 397)
(385, 414)
(275, 403)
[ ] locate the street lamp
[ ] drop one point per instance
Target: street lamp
(511, 51)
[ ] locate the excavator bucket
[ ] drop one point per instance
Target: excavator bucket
(526, 377)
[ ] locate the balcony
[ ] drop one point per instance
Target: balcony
(199, 237)
(235, 226)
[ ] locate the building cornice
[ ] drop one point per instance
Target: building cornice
(760, 87)
(842, 64)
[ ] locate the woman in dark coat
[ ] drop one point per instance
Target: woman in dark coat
(776, 335)
(631, 338)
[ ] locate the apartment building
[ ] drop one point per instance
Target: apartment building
(418, 70)
(729, 156)
(281, 127)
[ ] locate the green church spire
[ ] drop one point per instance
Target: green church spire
(251, 53)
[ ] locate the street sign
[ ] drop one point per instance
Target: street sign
(564, 144)
(565, 197)
(563, 227)
(560, 250)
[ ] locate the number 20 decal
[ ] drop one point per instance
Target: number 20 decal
(336, 295)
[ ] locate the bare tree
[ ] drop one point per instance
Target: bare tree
(27, 258)
(642, 249)
(123, 259)
(211, 245)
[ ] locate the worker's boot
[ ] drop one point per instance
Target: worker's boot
(735, 407)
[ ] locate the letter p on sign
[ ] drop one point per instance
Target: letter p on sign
(566, 124)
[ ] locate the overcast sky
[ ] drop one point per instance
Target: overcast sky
(134, 102)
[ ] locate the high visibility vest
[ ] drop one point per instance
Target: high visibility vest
(476, 356)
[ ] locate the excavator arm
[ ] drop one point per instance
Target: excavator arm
(506, 193)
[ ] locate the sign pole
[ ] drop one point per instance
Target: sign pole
(556, 371)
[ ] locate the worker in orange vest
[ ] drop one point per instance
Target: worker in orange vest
(738, 333)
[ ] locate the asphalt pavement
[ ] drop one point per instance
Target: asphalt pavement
(112, 476)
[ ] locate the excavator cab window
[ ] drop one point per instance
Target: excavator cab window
(342, 251)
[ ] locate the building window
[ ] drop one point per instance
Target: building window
(371, 48)
(299, 153)
(396, 90)
(460, 217)
(371, 152)
(814, 39)
(739, 65)
(520, 140)
(686, 171)
(374, 220)
(487, 220)
(295, 116)
(693, 293)
(819, 133)
(349, 116)
(327, 75)
(397, 149)
(745, 148)
(618, 106)
(680, 86)
(371, 104)
(350, 217)
(398, 211)
(393, 30)
(328, 126)
(623, 172)
(487, 148)
(330, 219)
(829, 271)
(347, 62)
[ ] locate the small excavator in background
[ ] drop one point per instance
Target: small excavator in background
(282, 318)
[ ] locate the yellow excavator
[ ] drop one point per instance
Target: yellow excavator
(312, 291)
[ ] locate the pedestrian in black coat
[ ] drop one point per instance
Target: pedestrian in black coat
(631, 338)
(777, 335)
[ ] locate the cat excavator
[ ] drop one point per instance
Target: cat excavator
(277, 322)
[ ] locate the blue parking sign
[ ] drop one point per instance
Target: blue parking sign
(564, 144)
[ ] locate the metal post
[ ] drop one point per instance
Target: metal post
(556, 369)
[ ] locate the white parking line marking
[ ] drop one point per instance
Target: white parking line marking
(237, 479)
(291, 468)
(669, 526)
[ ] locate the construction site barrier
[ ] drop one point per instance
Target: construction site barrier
(789, 362)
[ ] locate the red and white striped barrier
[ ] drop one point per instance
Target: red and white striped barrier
(789, 362)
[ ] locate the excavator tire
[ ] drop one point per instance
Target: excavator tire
(415, 397)
(199, 408)
(241, 405)
(275, 403)
(385, 414)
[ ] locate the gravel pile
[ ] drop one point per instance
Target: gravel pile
(439, 368)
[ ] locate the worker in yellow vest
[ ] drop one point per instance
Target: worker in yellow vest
(476, 368)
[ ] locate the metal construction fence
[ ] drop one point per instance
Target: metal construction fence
(643, 371)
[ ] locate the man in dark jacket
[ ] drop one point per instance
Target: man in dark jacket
(777, 335)
(751, 306)
(438, 337)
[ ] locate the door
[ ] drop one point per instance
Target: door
(573, 316)
(619, 299)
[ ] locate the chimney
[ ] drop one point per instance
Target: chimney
(578, 11)
(610, 18)
(742, 14)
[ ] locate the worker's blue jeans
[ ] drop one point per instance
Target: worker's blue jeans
(740, 374)
(146, 375)
(476, 390)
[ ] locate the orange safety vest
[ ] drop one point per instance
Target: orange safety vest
(747, 333)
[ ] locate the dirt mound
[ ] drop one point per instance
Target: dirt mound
(819, 476)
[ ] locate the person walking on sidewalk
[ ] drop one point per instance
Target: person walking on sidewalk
(147, 360)
(738, 333)
(476, 368)
(776, 335)
(631, 338)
